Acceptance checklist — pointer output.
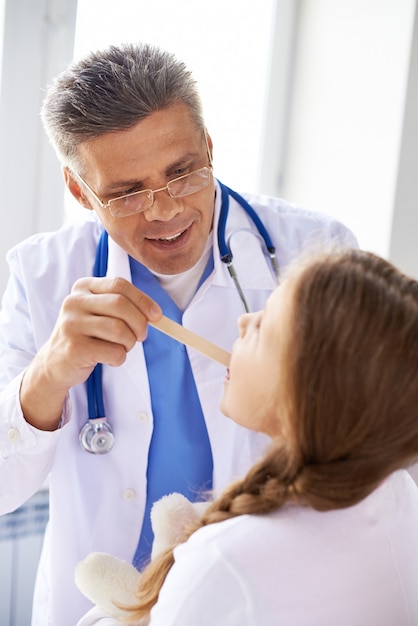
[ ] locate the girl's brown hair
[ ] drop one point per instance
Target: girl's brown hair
(350, 392)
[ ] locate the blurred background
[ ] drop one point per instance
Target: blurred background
(312, 100)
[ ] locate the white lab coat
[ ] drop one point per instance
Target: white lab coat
(298, 567)
(97, 501)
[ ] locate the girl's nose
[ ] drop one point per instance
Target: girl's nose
(243, 322)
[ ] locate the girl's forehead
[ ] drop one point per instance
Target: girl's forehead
(279, 297)
(277, 308)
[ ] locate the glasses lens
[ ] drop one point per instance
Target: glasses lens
(190, 183)
(129, 205)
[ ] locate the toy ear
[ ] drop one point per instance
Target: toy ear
(106, 580)
(169, 517)
(110, 582)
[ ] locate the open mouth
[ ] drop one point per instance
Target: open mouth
(172, 238)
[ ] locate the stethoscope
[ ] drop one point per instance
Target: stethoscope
(96, 435)
(224, 247)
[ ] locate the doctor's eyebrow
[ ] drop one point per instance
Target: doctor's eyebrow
(136, 184)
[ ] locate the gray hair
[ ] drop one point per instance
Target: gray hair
(113, 90)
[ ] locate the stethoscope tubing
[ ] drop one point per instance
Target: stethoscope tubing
(96, 434)
(225, 250)
(94, 382)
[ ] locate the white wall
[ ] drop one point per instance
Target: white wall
(403, 249)
(346, 113)
(2, 9)
(37, 43)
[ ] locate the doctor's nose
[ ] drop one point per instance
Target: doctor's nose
(164, 207)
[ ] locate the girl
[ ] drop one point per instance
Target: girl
(324, 530)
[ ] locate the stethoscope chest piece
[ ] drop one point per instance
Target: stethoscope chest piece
(96, 436)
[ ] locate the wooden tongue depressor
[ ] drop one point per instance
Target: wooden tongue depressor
(189, 338)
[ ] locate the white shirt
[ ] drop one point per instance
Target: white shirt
(298, 567)
(97, 501)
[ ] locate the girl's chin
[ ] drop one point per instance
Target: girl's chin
(223, 407)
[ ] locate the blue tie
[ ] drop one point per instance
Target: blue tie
(180, 456)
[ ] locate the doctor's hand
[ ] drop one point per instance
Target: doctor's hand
(99, 322)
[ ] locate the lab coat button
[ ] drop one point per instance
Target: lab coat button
(13, 435)
(142, 416)
(129, 494)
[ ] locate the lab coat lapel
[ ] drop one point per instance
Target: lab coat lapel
(117, 262)
(118, 266)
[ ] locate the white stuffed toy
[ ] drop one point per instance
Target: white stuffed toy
(110, 582)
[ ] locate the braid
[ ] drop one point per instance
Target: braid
(265, 488)
(336, 484)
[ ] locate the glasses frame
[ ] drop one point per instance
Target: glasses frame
(149, 192)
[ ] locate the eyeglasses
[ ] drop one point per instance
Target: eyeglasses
(137, 201)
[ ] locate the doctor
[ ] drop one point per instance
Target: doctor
(128, 129)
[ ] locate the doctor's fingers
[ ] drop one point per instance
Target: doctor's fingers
(121, 300)
(107, 317)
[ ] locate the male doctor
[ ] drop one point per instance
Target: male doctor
(127, 127)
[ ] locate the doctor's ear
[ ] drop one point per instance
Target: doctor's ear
(209, 145)
(76, 189)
